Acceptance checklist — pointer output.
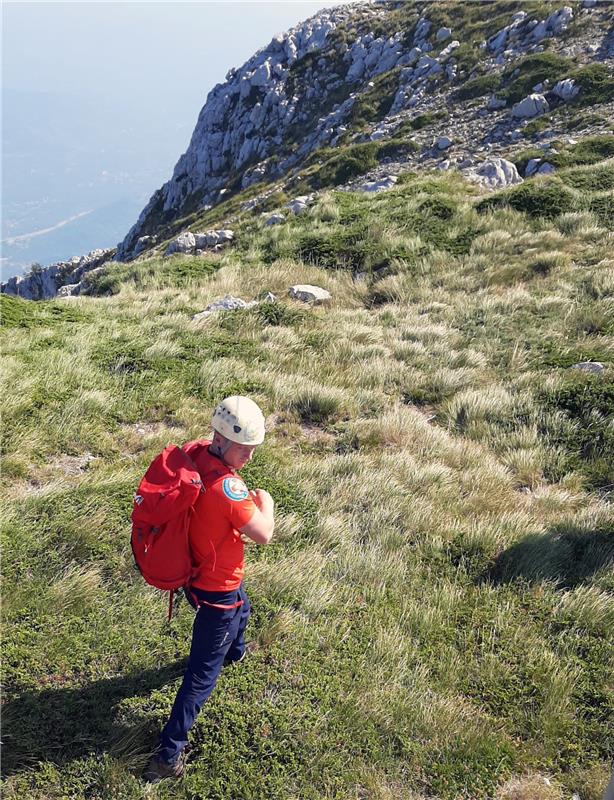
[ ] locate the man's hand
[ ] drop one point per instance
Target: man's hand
(263, 499)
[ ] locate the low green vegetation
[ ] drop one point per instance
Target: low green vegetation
(520, 77)
(435, 613)
(546, 198)
(596, 84)
(373, 104)
(478, 87)
(420, 121)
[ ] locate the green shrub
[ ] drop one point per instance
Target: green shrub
(350, 163)
(583, 119)
(536, 126)
(545, 198)
(316, 407)
(439, 207)
(586, 152)
(397, 148)
(596, 84)
(602, 206)
(534, 69)
(586, 400)
(478, 87)
(15, 312)
(589, 150)
(273, 313)
(375, 103)
(421, 121)
(599, 177)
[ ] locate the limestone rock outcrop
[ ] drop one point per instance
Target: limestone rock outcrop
(188, 243)
(44, 283)
(226, 303)
(531, 106)
(308, 293)
(496, 173)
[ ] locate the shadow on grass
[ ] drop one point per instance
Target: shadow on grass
(568, 555)
(60, 725)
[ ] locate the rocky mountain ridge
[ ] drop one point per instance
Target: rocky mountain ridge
(429, 84)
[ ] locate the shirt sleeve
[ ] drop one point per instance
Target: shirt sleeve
(236, 502)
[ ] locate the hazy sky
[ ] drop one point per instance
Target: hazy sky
(141, 51)
(100, 100)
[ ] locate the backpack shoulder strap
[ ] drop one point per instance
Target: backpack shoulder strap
(193, 450)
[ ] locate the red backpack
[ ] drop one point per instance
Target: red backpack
(163, 504)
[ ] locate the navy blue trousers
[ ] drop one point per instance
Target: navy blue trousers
(217, 636)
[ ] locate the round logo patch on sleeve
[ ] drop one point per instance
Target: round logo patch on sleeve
(235, 489)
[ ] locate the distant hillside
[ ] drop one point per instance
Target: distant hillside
(403, 75)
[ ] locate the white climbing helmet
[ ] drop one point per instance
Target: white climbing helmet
(240, 420)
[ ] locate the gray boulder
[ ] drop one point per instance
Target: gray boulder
(443, 142)
(184, 243)
(206, 241)
(566, 89)
(378, 186)
(496, 173)
(275, 219)
(495, 103)
(69, 290)
(213, 240)
(443, 34)
(531, 106)
(309, 294)
(226, 303)
(299, 204)
(532, 167)
(594, 367)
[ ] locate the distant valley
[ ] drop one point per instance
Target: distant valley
(77, 170)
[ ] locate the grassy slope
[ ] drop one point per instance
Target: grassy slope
(435, 612)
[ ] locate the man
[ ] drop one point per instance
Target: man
(226, 516)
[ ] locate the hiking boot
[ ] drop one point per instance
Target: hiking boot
(157, 769)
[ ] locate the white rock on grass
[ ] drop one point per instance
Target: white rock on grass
(566, 89)
(496, 173)
(531, 106)
(209, 240)
(226, 303)
(184, 243)
(308, 293)
(589, 366)
(69, 290)
(275, 219)
(378, 186)
(299, 204)
(205, 241)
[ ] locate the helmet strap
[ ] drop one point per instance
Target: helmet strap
(220, 449)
